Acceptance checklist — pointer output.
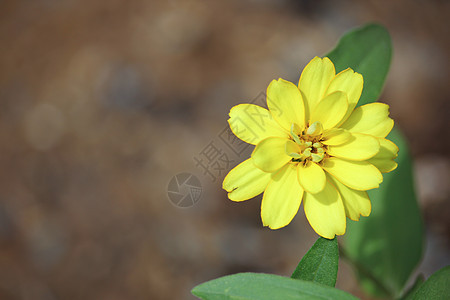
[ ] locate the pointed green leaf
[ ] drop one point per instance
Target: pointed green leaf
(320, 263)
(389, 242)
(386, 246)
(367, 50)
(437, 287)
(257, 286)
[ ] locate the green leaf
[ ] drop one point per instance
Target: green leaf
(367, 50)
(436, 287)
(387, 245)
(258, 286)
(320, 263)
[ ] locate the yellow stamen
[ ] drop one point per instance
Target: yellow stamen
(315, 129)
(294, 135)
(306, 153)
(295, 155)
(317, 157)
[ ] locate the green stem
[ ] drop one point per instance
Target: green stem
(366, 272)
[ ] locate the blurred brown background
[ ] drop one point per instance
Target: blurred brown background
(103, 102)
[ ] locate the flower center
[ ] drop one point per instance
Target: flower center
(309, 142)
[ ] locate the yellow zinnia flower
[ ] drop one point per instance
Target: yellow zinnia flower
(312, 144)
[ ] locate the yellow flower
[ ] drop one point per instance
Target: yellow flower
(313, 145)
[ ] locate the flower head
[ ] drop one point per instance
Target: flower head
(313, 145)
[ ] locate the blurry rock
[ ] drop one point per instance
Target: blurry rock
(44, 126)
(432, 174)
(121, 86)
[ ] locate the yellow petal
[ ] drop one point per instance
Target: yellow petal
(335, 136)
(252, 124)
(330, 110)
(285, 103)
(270, 154)
(384, 160)
(315, 78)
(245, 181)
(282, 198)
(356, 203)
(358, 147)
(358, 175)
(325, 212)
(311, 177)
(370, 119)
(351, 83)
